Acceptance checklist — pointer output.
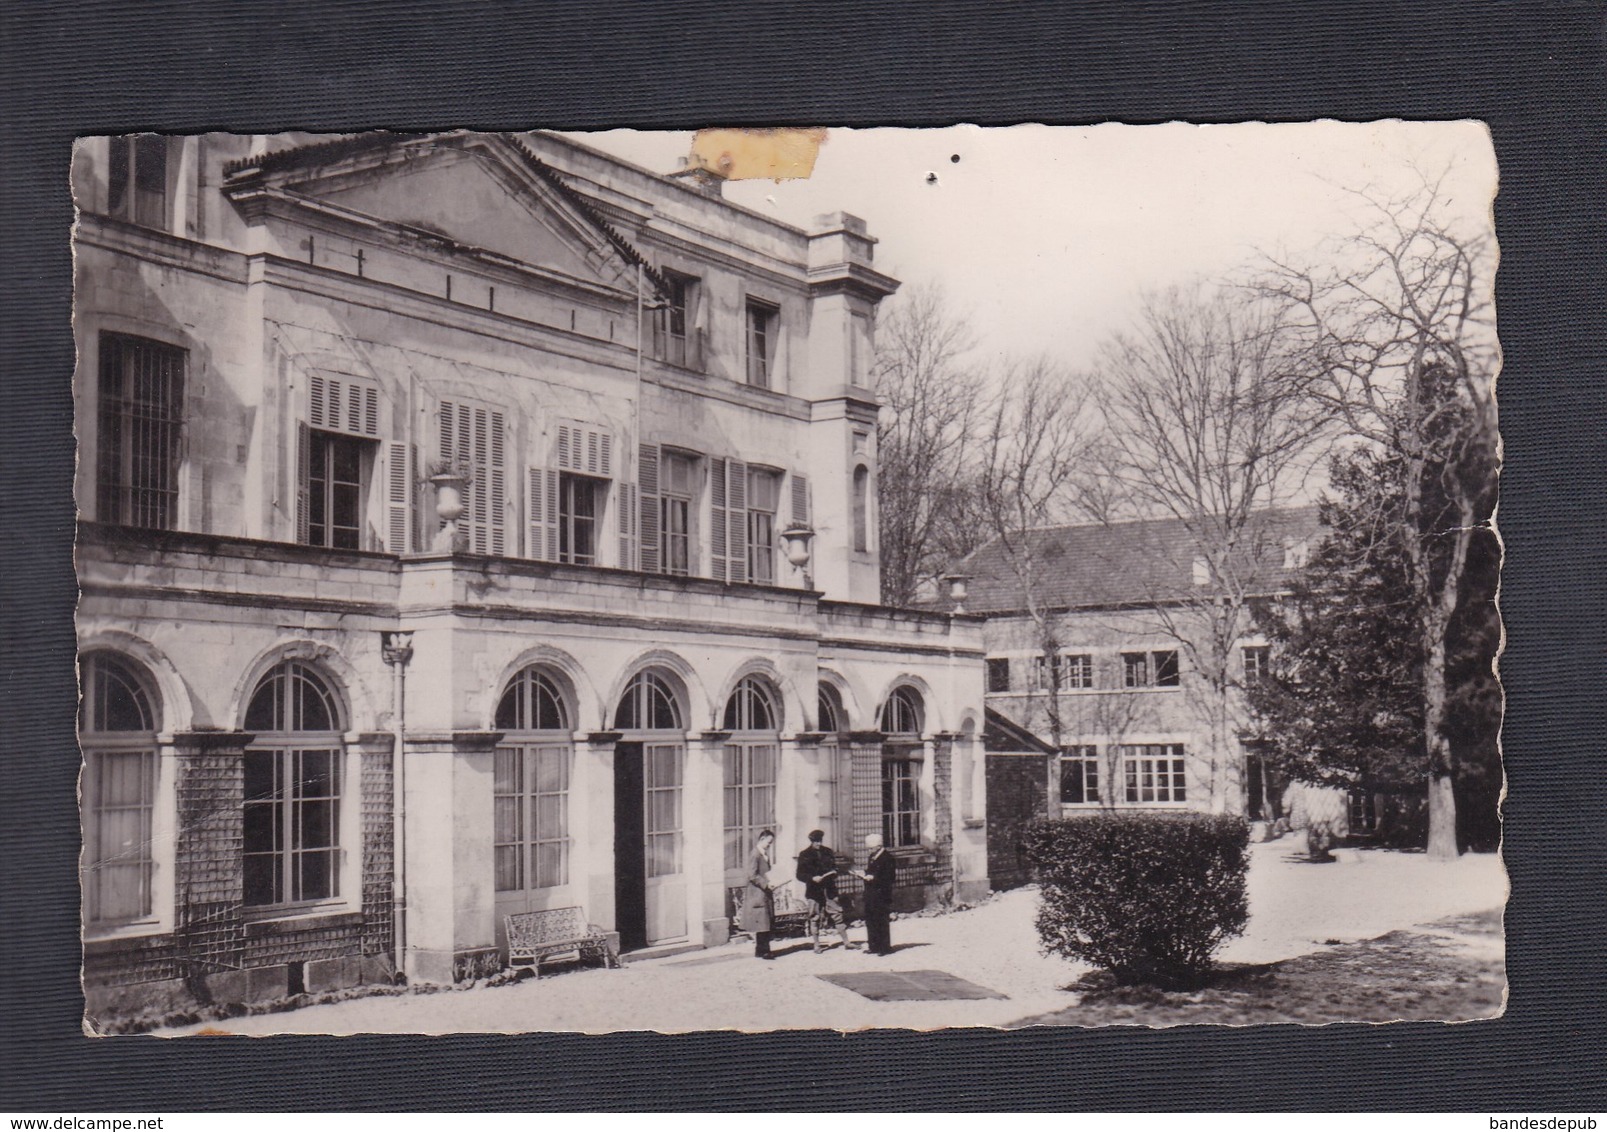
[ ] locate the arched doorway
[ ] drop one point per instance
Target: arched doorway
(649, 836)
(752, 760)
(534, 761)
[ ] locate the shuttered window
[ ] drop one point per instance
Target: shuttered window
(475, 437)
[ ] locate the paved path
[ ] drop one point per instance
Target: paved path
(1296, 908)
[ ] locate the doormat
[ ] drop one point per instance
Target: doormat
(910, 986)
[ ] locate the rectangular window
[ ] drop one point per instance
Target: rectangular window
(764, 499)
(137, 182)
(1079, 776)
(998, 674)
(662, 765)
(141, 409)
(676, 482)
(1077, 671)
(1154, 773)
(901, 808)
(676, 344)
(1257, 662)
(119, 795)
(335, 490)
(1150, 669)
(750, 798)
(530, 787)
(763, 320)
(577, 519)
(292, 825)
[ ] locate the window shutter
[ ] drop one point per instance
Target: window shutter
(343, 404)
(717, 519)
(627, 526)
(541, 511)
(737, 514)
(398, 499)
(648, 508)
(476, 438)
(800, 499)
(303, 480)
(587, 450)
(496, 520)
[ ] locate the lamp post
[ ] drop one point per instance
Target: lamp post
(397, 650)
(795, 542)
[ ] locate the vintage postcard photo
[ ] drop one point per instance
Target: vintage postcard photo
(782, 579)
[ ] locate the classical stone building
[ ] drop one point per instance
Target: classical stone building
(1108, 683)
(476, 523)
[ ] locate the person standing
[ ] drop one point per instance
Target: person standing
(817, 868)
(758, 899)
(878, 875)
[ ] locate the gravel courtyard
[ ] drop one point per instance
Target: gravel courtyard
(1296, 909)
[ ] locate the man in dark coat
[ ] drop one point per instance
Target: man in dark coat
(817, 868)
(879, 874)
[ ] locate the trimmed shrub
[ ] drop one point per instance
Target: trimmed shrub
(1149, 897)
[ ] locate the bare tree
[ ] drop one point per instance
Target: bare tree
(1209, 424)
(1399, 342)
(1034, 447)
(930, 400)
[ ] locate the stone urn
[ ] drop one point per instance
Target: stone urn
(449, 487)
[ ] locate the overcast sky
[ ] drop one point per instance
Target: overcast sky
(1044, 236)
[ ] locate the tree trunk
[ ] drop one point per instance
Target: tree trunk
(1441, 797)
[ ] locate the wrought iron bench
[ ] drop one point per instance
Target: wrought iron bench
(791, 915)
(534, 937)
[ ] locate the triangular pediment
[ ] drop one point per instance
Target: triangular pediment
(480, 191)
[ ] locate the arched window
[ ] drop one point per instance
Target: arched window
(751, 707)
(752, 756)
(830, 710)
(862, 508)
(902, 713)
(117, 721)
(530, 788)
(532, 702)
(903, 719)
(294, 781)
(649, 704)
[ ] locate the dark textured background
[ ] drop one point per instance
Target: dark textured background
(1534, 71)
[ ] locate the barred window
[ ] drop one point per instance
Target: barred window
(141, 411)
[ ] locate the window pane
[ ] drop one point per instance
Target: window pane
(507, 859)
(261, 878)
